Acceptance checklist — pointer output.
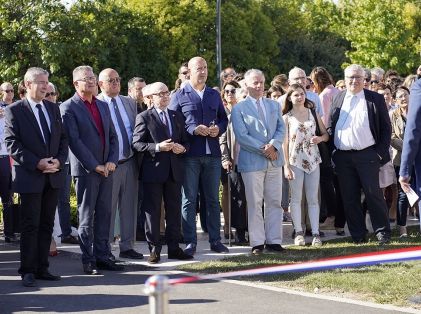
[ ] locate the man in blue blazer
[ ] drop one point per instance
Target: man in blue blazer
(260, 130)
(205, 121)
(93, 157)
(411, 152)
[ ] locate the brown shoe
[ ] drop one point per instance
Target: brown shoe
(154, 258)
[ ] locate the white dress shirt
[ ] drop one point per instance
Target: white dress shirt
(352, 131)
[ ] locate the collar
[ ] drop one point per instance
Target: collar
(86, 100)
(359, 94)
(160, 110)
(33, 103)
(108, 98)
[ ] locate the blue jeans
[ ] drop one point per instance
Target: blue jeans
(403, 203)
(208, 169)
(63, 205)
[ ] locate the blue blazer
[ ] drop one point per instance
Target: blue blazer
(196, 112)
(411, 152)
(86, 150)
(251, 134)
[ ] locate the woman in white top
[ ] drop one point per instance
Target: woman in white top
(302, 159)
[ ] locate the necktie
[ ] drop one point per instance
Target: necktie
(165, 122)
(126, 145)
(343, 116)
(261, 114)
(44, 125)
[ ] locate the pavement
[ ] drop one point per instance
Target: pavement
(123, 292)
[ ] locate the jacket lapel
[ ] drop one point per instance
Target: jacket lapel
(79, 102)
(255, 113)
(160, 127)
(129, 111)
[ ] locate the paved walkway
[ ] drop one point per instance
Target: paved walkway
(122, 292)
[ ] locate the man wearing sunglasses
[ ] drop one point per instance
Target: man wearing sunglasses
(7, 93)
(51, 94)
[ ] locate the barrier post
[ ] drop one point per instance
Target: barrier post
(157, 287)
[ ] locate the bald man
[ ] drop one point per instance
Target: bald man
(125, 184)
(205, 121)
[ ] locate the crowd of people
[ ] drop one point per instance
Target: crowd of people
(305, 150)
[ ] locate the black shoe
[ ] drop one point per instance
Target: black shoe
(45, 275)
(132, 254)
(28, 280)
(112, 258)
(109, 265)
(154, 258)
(69, 240)
(257, 250)
(276, 248)
(218, 247)
(10, 239)
(240, 237)
(179, 254)
(90, 269)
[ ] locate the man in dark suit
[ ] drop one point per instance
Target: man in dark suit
(205, 121)
(36, 140)
(411, 152)
(160, 135)
(93, 157)
(360, 135)
(125, 177)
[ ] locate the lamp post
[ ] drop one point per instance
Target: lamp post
(218, 42)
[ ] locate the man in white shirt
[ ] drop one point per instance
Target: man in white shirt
(360, 132)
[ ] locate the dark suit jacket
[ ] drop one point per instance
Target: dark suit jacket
(196, 112)
(149, 131)
(411, 152)
(86, 150)
(378, 118)
(26, 145)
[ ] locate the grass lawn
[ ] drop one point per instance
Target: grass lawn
(393, 283)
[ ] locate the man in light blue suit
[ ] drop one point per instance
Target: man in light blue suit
(260, 131)
(411, 152)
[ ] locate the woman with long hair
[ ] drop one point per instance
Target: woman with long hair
(302, 158)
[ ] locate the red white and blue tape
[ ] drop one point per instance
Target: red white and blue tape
(356, 260)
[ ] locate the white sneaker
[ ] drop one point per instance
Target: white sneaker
(316, 240)
(299, 239)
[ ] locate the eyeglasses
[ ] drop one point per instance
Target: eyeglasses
(88, 79)
(229, 91)
(114, 80)
(230, 74)
(50, 94)
(8, 90)
(374, 82)
(351, 78)
(40, 82)
(162, 94)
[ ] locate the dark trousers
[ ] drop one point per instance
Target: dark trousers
(140, 213)
(340, 219)
(328, 194)
(360, 170)
(94, 193)
(37, 222)
(6, 195)
(63, 206)
(153, 193)
(238, 201)
(403, 203)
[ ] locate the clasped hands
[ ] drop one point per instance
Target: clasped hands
(203, 130)
(169, 145)
(48, 165)
(105, 170)
(269, 152)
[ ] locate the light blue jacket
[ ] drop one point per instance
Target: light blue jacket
(252, 134)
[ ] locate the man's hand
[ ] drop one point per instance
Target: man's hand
(109, 167)
(201, 130)
(166, 145)
(178, 148)
(54, 166)
(270, 152)
(213, 131)
(100, 169)
(46, 165)
(404, 181)
(227, 165)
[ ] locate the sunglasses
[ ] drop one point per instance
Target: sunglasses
(50, 94)
(367, 79)
(229, 91)
(375, 82)
(8, 91)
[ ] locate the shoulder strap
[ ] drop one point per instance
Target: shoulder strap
(313, 112)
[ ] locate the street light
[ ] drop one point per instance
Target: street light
(218, 42)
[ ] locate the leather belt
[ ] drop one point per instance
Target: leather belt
(122, 161)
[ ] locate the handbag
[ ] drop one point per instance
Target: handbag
(323, 148)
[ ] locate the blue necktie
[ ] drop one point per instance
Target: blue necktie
(44, 126)
(126, 145)
(165, 122)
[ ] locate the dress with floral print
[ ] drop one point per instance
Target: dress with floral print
(302, 154)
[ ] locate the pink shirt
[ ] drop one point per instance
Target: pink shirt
(326, 98)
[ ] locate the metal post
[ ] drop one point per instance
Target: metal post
(157, 287)
(218, 42)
